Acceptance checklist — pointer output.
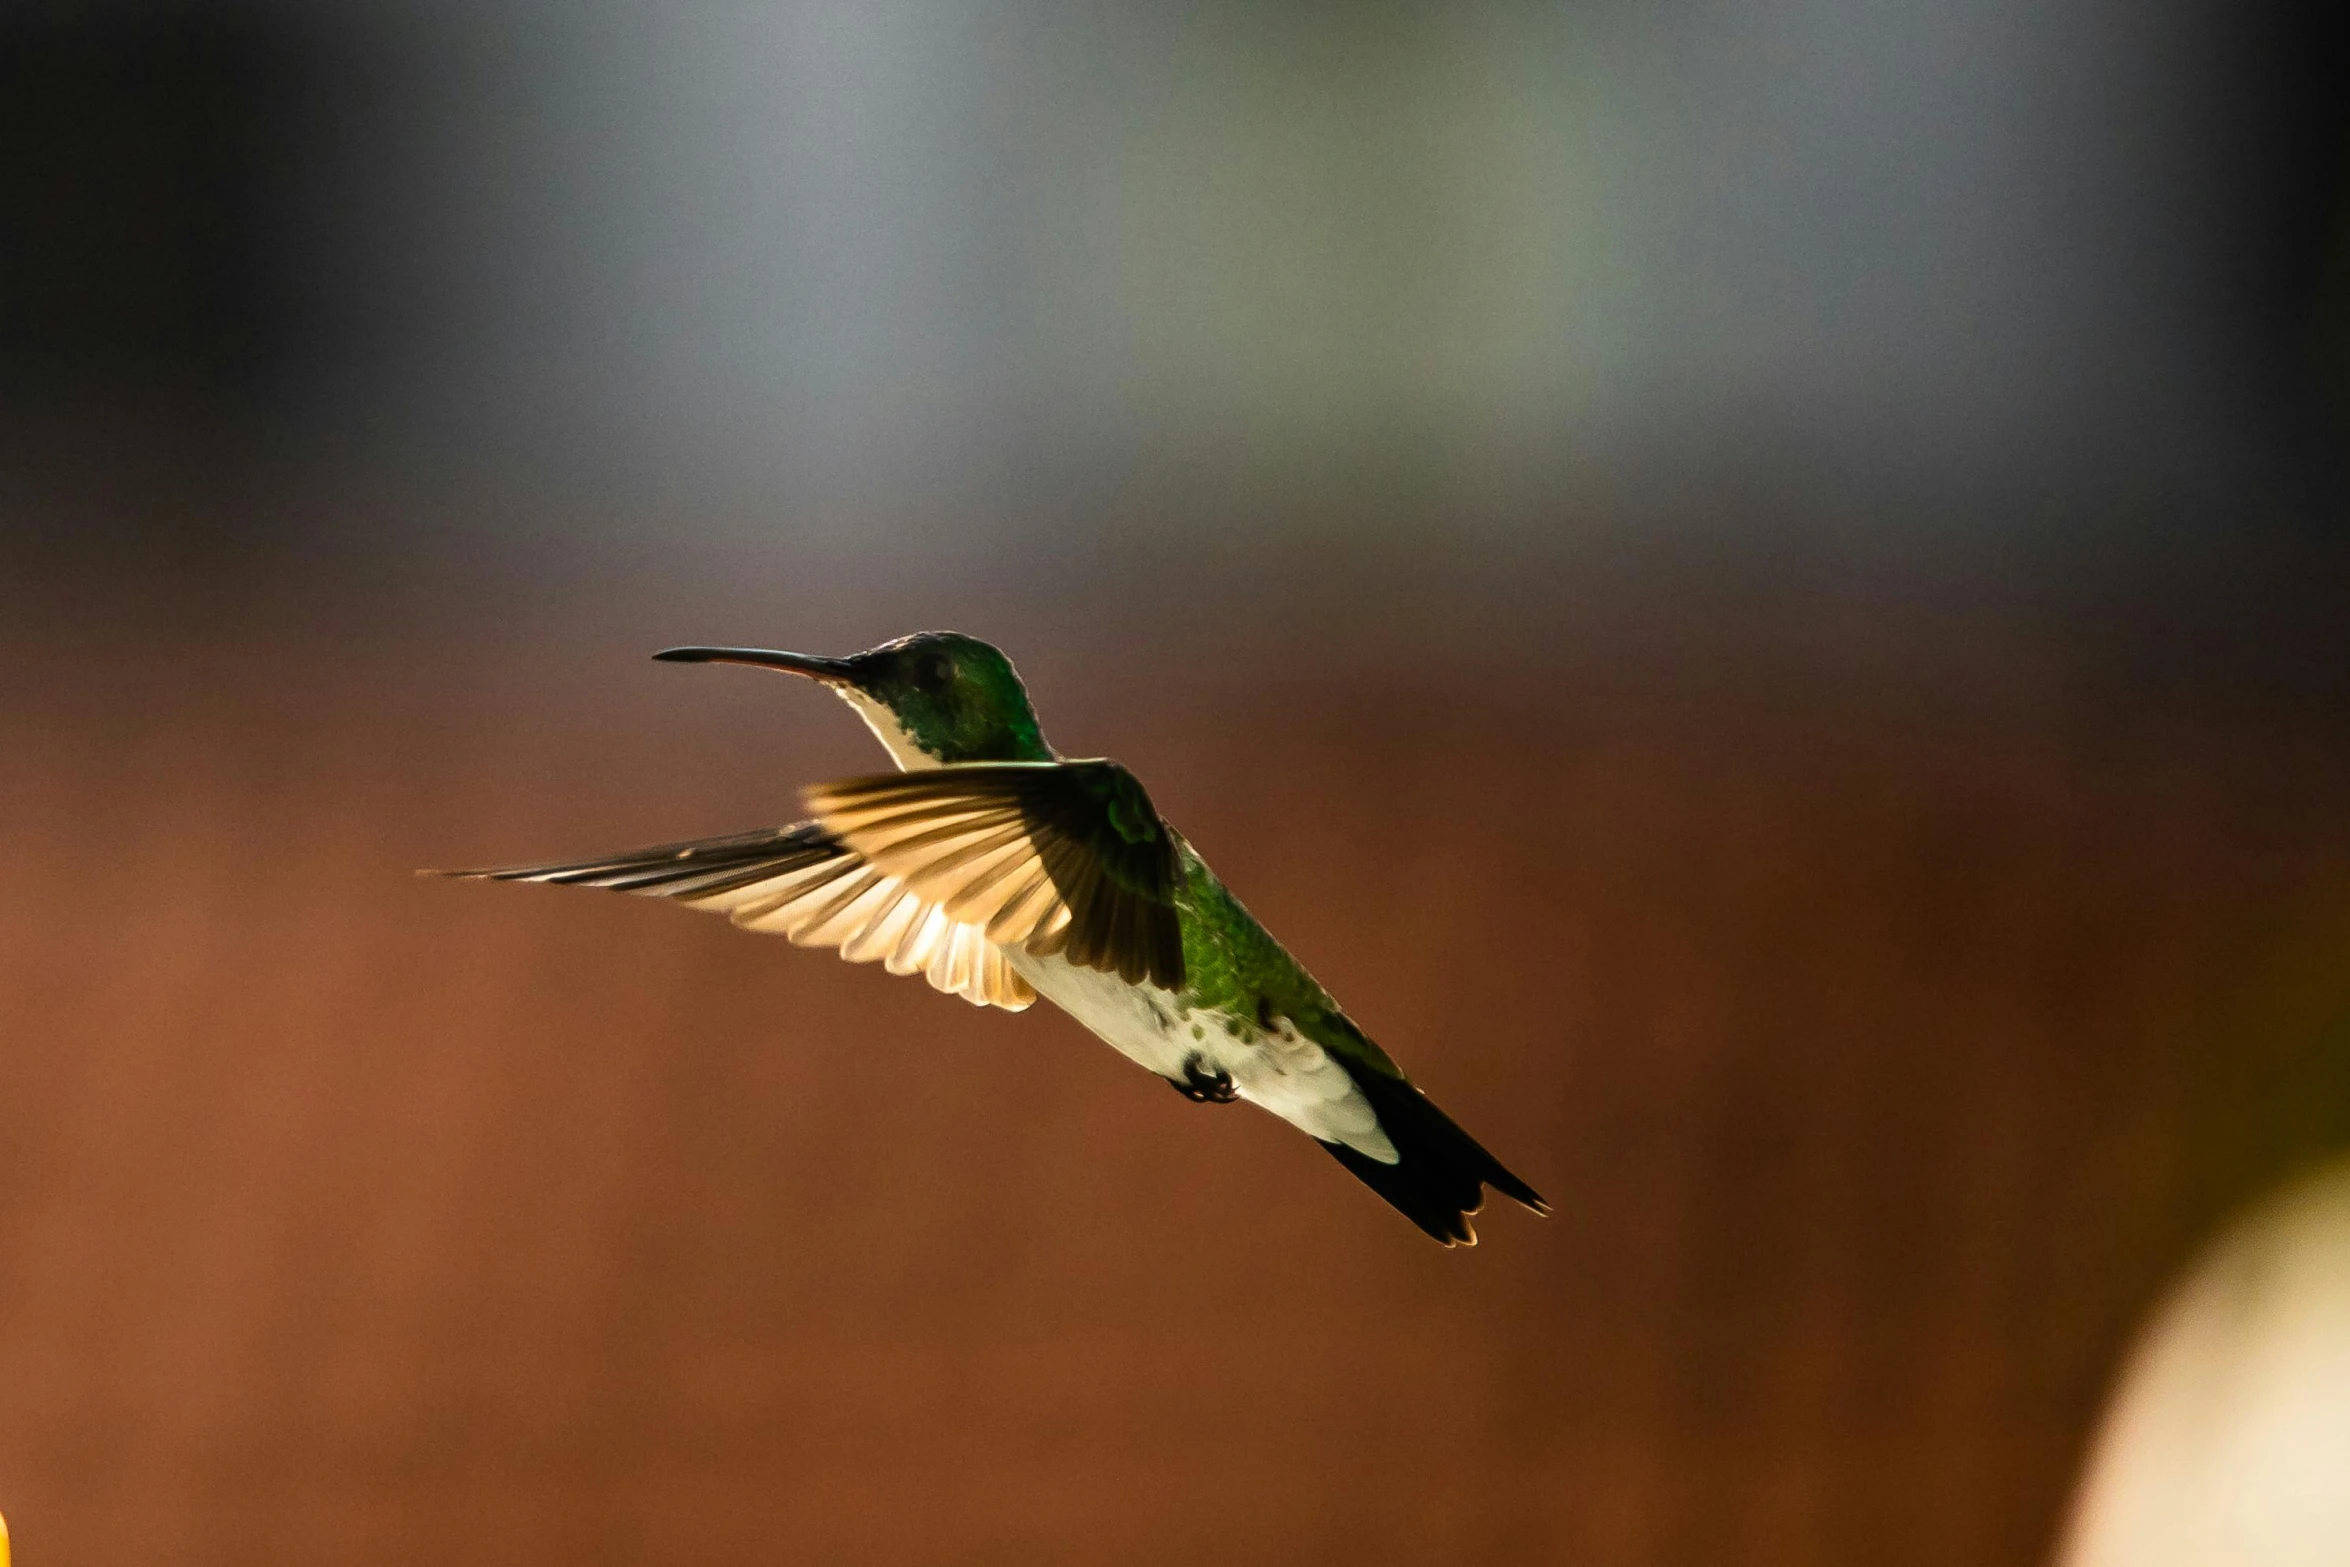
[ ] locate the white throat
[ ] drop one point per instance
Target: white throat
(894, 739)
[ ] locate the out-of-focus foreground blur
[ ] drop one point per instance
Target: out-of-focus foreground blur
(1759, 589)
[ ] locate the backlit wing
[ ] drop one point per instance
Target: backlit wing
(804, 884)
(1064, 858)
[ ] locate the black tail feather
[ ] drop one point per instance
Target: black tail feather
(1440, 1179)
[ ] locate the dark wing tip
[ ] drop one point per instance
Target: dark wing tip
(483, 873)
(699, 866)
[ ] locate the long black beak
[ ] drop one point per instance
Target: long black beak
(832, 671)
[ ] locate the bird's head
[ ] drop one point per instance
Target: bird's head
(932, 698)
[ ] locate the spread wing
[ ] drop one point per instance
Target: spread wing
(804, 884)
(1063, 858)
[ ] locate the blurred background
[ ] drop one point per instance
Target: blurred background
(1759, 586)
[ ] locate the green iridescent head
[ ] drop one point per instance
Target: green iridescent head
(931, 698)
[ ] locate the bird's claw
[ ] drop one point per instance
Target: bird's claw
(1203, 1087)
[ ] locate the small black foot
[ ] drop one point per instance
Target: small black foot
(1203, 1087)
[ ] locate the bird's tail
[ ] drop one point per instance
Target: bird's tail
(1440, 1179)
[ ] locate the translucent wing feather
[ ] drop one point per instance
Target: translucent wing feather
(804, 884)
(1063, 858)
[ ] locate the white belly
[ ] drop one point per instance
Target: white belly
(1282, 1071)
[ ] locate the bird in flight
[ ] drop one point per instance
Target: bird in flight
(1000, 871)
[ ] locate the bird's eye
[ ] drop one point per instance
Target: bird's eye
(932, 671)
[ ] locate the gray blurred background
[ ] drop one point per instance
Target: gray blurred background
(1759, 587)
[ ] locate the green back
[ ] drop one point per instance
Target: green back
(1232, 965)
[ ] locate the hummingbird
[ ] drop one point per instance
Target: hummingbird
(1001, 871)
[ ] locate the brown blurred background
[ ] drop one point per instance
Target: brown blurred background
(1760, 590)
